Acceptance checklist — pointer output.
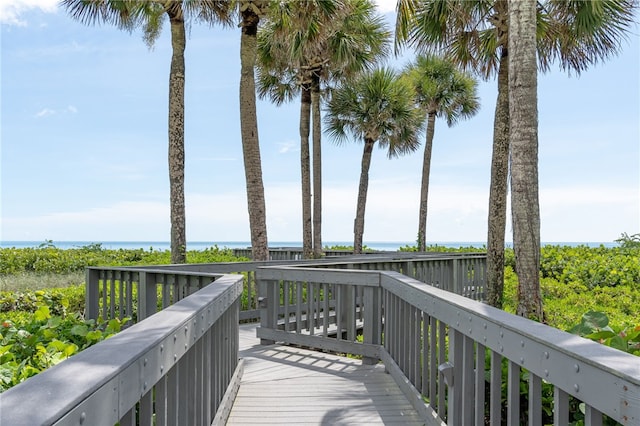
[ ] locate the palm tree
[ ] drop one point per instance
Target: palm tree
(523, 134)
(441, 90)
(304, 47)
(474, 34)
(251, 12)
(375, 107)
(149, 15)
(284, 70)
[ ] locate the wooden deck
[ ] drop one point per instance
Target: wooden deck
(287, 385)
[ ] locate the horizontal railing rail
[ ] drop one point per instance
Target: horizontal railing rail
(471, 363)
(137, 292)
(172, 369)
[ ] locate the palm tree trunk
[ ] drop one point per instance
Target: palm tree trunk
(249, 131)
(358, 227)
(176, 136)
(497, 222)
(305, 171)
(317, 168)
(424, 188)
(523, 111)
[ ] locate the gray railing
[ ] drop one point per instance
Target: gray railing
(172, 369)
(293, 253)
(138, 292)
(450, 351)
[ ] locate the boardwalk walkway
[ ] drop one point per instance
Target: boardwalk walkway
(286, 385)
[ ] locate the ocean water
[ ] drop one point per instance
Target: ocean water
(202, 245)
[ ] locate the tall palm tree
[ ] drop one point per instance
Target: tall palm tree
(285, 64)
(304, 47)
(523, 135)
(474, 34)
(442, 91)
(149, 15)
(375, 107)
(251, 12)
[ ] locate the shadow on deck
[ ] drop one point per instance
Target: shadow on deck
(289, 385)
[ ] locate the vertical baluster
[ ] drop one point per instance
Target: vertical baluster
(112, 295)
(480, 385)
(286, 295)
(560, 406)
(145, 408)
(433, 362)
(298, 307)
(325, 310)
(513, 394)
(535, 400)
(129, 418)
(468, 381)
(495, 391)
(172, 397)
(206, 374)
(129, 309)
(416, 317)
(442, 410)
(161, 401)
(166, 295)
(121, 287)
(592, 417)
(198, 382)
(426, 365)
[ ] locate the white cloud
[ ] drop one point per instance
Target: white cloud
(456, 214)
(11, 10)
(128, 220)
(286, 147)
(46, 112)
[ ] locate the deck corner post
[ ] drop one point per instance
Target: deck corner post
(372, 326)
(267, 316)
(456, 284)
(147, 295)
(92, 293)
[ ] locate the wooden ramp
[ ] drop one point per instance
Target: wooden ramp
(286, 385)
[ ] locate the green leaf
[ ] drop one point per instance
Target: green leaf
(619, 343)
(113, 326)
(598, 335)
(70, 349)
(42, 313)
(79, 330)
(93, 336)
(595, 320)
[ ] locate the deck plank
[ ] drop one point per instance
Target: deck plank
(287, 385)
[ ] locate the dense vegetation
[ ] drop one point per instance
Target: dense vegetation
(591, 291)
(41, 326)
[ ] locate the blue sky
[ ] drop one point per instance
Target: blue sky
(84, 146)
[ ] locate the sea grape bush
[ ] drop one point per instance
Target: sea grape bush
(592, 266)
(44, 340)
(49, 259)
(594, 325)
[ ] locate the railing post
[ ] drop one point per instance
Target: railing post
(267, 307)
(456, 284)
(147, 295)
(92, 293)
(372, 320)
(454, 382)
